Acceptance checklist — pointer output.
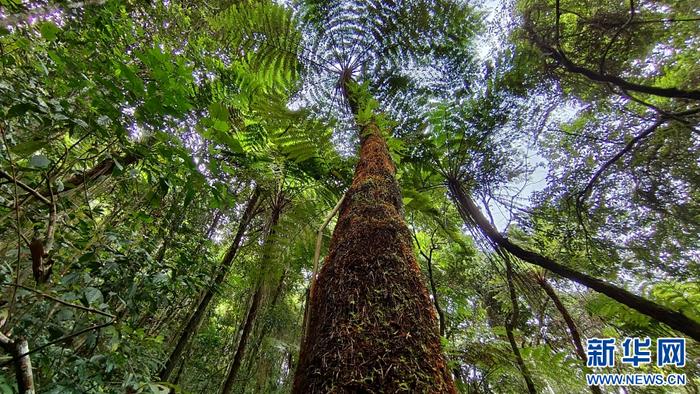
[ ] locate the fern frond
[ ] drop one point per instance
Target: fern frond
(265, 34)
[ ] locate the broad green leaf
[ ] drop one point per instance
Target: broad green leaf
(27, 148)
(48, 30)
(221, 125)
(93, 296)
(218, 111)
(19, 109)
(39, 161)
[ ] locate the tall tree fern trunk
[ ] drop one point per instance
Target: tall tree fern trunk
(372, 326)
(511, 324)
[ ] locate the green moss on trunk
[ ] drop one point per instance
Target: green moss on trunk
(372, 326)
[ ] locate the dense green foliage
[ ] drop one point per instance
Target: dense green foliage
(134, 135)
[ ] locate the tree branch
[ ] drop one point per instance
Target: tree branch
(59, 340)
(317, 256)
(565, 62)
(60, 301)
(25, 187)
(589, 187)
(617, 81)
(471, 213)
(601, 65)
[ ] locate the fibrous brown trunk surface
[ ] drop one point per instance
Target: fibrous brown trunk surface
(372, 326)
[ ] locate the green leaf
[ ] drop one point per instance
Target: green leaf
(135, 83)
(104, 121)
(81, 123)
(117, 165)
(190, 194)
(163, 388)
(48, 30)
(19, 110)
(39, 161)
(221, 125)
(222, 137)
(27, 148)
(93, 296)
(218, 111)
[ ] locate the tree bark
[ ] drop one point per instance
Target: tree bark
(472, 215)
(169, 227)
(104, 167)
(197, 316)
(18, 350)
(372, 326)
(25, 377)
(622, 83)
(262, 364)
(575, 336)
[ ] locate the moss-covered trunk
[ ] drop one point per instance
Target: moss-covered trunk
(372, 326)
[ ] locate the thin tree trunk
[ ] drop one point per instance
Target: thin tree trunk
(512, 323)
(197, 316)
(168, 231)
(575, 336)
(212, 227)
(519, 359)
(180, 369)
(25, 377)
(253, 359)
(436, 302)
(23, 364)
(372, 327)
(472, 215)
(252, 315)
(243, 341)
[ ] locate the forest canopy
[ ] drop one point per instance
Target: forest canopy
(346, 196)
